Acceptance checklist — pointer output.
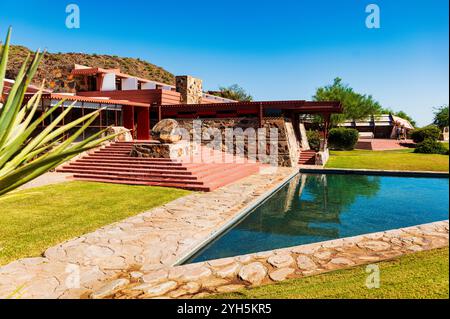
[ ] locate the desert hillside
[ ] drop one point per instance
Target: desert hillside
(56, 67)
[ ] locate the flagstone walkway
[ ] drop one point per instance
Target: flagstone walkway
(161, 236)
(46, 179)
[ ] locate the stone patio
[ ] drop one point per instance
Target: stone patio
(161, 236)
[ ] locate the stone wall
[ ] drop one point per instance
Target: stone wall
(169, 151)
(292, 143)
(62, 81)
(190, 88)
(287, 148)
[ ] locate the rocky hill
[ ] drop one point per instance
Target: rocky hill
(55, 67)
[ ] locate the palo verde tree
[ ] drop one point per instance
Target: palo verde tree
(233, 92)
(356, 106)
(441, 116)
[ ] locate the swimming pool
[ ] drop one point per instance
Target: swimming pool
(319, 207)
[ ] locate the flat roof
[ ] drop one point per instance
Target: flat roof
(379, 120)
(99, 100)
(92, 71)
(31, 89)
(294, 105)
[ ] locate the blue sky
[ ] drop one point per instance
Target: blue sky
(274, 49)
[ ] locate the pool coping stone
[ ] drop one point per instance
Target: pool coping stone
(375, 172)
(269, 267)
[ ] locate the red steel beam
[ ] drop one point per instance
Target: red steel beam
(299, 106)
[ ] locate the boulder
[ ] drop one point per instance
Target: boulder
(124, 136)
(166, 131)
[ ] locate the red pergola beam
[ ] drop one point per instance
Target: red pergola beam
(299, 106)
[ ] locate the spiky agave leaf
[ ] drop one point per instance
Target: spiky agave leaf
(23, 157)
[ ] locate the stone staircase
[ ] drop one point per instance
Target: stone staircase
(307, 157)
(113, 164)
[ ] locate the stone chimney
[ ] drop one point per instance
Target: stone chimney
(190, 88)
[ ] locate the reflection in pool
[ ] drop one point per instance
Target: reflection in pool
(313, 208)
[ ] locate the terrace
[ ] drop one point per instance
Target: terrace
(174, 247)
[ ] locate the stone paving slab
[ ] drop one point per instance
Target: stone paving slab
(377, 172)
(234, 273)
(161, 236)
(46, 179)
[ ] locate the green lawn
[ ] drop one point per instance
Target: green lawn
(388, 160)
(35, 219)
(420, 275)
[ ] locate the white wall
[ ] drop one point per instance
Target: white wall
(148, 86)
(109, 82)
(129, 84)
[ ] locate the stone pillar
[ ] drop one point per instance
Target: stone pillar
(190, 88)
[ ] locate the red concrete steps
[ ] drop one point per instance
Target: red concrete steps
(378, 144)
(139, 178)
(74, 168)
(125, 160)
(94, 159)
(150, 176)
(127, 165)
(112, 152)
(106, 150)
(209, 175)
(307, 158)
(113, 164)
(127, 156)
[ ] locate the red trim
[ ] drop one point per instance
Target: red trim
(206, 113)
(254, 107)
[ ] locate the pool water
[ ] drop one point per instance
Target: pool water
(316, 207)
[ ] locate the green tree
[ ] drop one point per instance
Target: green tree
(441, 116)
(405, 116)
(233, 92)
(356, 106)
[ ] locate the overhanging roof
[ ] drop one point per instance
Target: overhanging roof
(300, 106)
(31, 89)
(93, 71)
(55, 96)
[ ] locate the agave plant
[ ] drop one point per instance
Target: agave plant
(24, 155)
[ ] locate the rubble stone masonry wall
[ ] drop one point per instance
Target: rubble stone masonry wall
(287, 146)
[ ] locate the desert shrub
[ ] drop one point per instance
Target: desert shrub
(428, 132)
(342, 138)
(431, 146)
(313, 139)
